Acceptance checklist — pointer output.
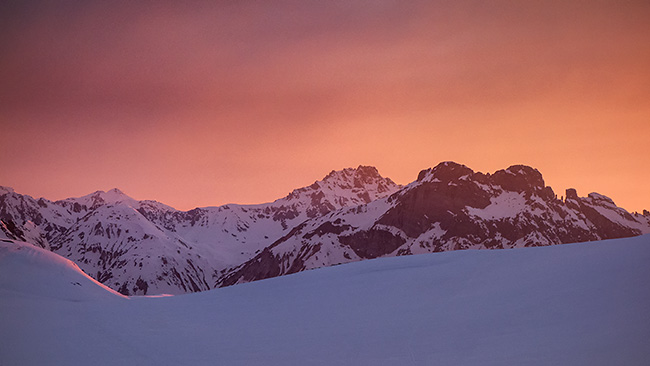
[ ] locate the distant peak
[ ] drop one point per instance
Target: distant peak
(116, 191)
(368, 170)
(111, 196)
(4, 190)
(361, 172)
(114, 194)
(111, 193)
(340, 185)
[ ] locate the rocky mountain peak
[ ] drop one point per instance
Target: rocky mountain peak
(365, 174)
(445, 172)
(4, 190)
(368, 171)
(519, 178)
(601, 199)
(116, 191)
(98, 198)
(571, 194)
(366, 178)
(341, 188)
(111, 196)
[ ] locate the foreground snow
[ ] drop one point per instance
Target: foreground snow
(578, 304)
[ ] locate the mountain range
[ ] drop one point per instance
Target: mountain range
(146, 247)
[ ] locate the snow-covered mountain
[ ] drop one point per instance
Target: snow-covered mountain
(35, 221)
(145, 247)
(448, 207)
(581, 304)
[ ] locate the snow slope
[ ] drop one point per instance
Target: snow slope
(35, 273)
(577, 304)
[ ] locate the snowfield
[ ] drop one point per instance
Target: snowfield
(574, 304)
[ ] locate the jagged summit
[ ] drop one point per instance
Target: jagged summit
(363, 177)
(604, 200)
(362, 171)
(444, 172)
(4, 190)
(115, 191)
(98, 198)
(354, 177)
(109, 196)
(519, 178)
(345, 187)
(516, 178)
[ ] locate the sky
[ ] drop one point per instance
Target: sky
(212, 102)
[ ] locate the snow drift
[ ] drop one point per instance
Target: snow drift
(577, 304)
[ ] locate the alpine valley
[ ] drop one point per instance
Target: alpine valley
(148, 248)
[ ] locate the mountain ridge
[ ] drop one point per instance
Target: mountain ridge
(138, 247)
(449, 207)
(146, 247)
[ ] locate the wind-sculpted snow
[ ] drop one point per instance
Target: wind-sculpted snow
(34, 273)
(578, 304)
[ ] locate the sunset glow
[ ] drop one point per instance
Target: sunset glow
(241, 102)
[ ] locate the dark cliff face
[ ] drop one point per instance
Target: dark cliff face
(451, 207)
(449, 189)
(452, 189)
(445, 171)
(519, 178)
(439, 199)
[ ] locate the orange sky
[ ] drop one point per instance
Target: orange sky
(222, 102)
